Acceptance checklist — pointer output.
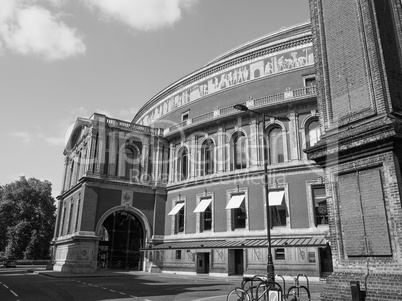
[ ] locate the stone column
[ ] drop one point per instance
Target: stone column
(121, 170)
(165, 165)
(82, 163)
(101, 145)
(87, 159)
(64, 184)
(221, 150)
(112, 152)
(294, 138)
(75, 166)
(285, 145)
(254, 144)
(158, 160)
(193, 158)
(68, 176)
(93, 153)
(145, 156)
(172, 169)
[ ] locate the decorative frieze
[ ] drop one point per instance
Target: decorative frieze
(271, 64)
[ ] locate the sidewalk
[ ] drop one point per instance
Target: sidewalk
(316, 285)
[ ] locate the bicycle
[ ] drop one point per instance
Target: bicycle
(250, 288)
(271, 291)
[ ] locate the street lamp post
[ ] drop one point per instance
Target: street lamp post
(270, 264)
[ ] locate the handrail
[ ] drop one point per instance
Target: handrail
(203, 117)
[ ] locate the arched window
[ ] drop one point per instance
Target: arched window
(207, 157)
(312, 133)
(182, 164)
(276, 151)
(239, 151)
(132, 157)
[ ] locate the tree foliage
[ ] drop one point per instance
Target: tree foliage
(27, 217)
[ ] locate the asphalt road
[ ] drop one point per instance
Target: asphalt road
(17, 284)
(20, 285)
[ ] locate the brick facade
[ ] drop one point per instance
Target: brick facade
(357, 50)
(273, 75)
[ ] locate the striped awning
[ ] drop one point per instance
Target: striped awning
(316, 241)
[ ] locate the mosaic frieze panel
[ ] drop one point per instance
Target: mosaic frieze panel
(268, 65)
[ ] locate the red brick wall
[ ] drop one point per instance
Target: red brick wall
(358, 55)
(349, 91)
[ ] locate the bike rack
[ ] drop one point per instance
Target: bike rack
(305, 276)
(284, 282)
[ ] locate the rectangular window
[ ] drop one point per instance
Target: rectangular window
(178, 213)
(204, 208)
(178, 254)
(238, 211)
(206, 219)
(278, 208)
(185, 116)
(309, 81)
(180, 221)
(280, 254)
(239, 216)
(311, 257)
(320, 205)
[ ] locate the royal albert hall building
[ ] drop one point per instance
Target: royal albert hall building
(181, 188)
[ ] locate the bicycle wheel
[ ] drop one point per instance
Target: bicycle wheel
(238, 294)
(261, 292)
(300, 293)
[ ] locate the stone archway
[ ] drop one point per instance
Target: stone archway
(122, 232)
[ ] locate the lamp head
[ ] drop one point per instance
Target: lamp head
(241, 107)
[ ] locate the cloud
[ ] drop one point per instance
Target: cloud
(54, 141)
(25, 137)
(142, 15)
(128, 114)
(30, 29)
(104, 112)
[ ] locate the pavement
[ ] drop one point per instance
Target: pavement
(316, 284)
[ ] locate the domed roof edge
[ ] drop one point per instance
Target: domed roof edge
(255, 42)
(235, 51)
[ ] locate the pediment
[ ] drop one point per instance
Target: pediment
(75, 133)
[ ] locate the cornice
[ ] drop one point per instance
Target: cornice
(366, 138)
(248, 175)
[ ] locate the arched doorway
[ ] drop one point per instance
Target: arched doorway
(120, 238)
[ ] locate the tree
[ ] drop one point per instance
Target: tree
(27, 217)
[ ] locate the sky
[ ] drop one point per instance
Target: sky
(63, 59)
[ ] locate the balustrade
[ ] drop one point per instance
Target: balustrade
(133, 126)
(258, 102)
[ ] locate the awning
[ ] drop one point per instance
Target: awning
(316, 241)
(176, 209)
(203, 205)
(276, 198)
(235, 201)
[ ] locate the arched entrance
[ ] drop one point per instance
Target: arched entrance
(121, 236)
